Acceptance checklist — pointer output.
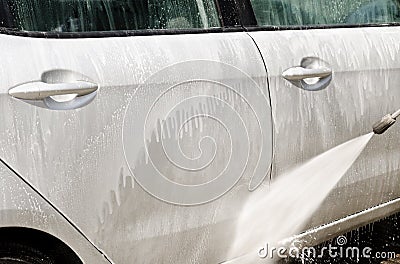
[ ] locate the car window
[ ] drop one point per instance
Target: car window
(325, 12)
(107, 15)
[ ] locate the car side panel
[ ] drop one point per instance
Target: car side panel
(365, 87)
(21, 206)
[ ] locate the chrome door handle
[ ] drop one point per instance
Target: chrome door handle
(313, 74)
(40, 90)
(300, 73)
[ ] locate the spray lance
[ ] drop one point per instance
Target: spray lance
(386, 122)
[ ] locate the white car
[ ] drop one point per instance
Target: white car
(136, 131)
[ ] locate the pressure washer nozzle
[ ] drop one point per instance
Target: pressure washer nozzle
(383, 125)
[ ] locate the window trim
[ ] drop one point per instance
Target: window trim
(328, 26)
(116, 33)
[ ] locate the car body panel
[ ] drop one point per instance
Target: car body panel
(21, 206)
(79, 160)
(96, 164)
(364, 87)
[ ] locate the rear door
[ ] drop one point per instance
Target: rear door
(333, 68)
(133, 118)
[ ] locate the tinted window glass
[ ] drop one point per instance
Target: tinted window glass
(325, 12)
(106, 15)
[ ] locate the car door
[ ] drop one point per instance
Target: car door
(351, 49)
(141, 121)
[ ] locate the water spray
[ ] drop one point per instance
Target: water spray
(386, 122)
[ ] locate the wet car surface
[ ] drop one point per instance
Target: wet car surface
(153, 128)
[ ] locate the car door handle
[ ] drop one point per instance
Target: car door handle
(54, 93)
(300, 73)
(313, 74)
(41, 90)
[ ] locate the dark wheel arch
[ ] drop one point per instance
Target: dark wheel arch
(27, 245)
